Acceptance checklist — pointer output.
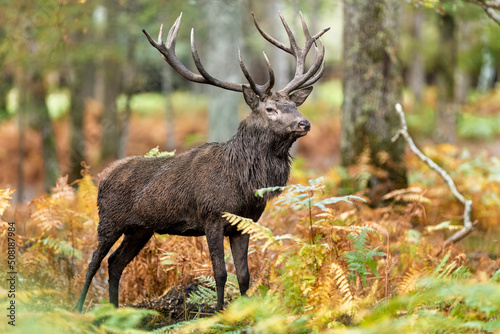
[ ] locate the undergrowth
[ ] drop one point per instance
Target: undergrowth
(320, 262)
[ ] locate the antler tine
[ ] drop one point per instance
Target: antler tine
(293, 44)
(172, 33)
(315, 77)
(168, 52)
(210, 79)
(310, 39)
(301, 79)
(160, 35)
(270, 39)
(269, 85)
(319, 34)
(250, 80)
(260, 90)
(305, 29)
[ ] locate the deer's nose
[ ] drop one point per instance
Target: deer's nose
(305, 125)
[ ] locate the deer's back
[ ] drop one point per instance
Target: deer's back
(174, 195)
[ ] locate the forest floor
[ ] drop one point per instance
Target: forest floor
(175, 307)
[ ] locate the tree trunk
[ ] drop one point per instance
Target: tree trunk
(81, 89)
(445, 130)
(124, 133)
(224, 37)
(372, 86)
(5, 86)
(417, 66)
(465, 37)
(110, 127)
(44, 125)
(21, 122)
(129, 73)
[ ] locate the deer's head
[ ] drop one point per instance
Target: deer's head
(278, 110)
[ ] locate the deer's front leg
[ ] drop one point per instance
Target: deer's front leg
(215, 240)
(239, 248)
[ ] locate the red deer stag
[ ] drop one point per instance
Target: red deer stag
(187, 194)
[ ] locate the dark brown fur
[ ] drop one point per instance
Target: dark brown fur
(187, 194)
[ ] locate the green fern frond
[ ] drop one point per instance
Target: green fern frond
(156, 153)
(202, 296)
(441, 265)
(496, 276)
(359, 240)
(60, 247)
(448, 270)
(262, 191)
(461, 273)
(360, 229)
(208, 281)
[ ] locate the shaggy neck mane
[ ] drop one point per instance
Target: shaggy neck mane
(260, 156)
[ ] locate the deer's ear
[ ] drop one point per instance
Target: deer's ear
(299, 96)
(251, 99)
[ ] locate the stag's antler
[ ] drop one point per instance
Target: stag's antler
(167, 49)
(300, 80)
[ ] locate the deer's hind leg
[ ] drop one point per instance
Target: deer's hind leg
(121, 257)
(105, 242)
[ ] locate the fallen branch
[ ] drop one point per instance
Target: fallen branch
(468, 224)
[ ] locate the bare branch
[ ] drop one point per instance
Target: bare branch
(493, 15)
(468, 224)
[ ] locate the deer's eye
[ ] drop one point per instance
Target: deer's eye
(270, 110)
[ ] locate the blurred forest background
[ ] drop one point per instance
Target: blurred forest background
(81, 86)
